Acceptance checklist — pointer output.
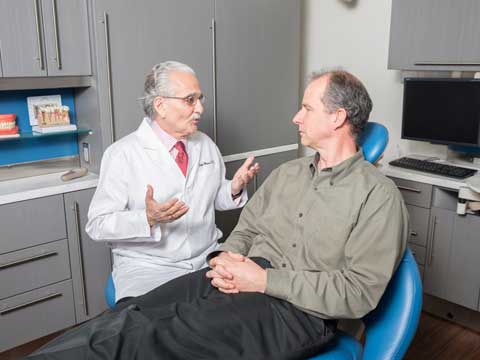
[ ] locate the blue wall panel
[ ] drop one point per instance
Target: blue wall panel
(24, 150)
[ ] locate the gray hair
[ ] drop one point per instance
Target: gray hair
(345, 91)
(157, 83)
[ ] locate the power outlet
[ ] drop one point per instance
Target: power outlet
(86, 152)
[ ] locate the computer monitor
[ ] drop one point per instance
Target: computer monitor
(442, 111)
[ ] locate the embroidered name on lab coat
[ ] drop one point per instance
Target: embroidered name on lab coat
(203, 163)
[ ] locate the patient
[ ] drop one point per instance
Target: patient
(318, 242)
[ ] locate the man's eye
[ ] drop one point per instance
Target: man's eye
(190, 100)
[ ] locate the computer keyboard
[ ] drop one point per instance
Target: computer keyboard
(433, 167)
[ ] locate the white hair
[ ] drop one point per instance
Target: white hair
(157, 83)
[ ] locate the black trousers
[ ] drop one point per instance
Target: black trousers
(187, 318)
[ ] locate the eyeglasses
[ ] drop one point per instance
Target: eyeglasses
(191, 100)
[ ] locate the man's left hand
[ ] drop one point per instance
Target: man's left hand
(246, 275)
(244, 175)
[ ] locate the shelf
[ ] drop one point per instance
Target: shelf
(31, 135)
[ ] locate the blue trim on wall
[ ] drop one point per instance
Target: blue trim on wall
(25, 150)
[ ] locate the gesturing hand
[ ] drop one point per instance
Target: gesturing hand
(244, 175)
(165, 212)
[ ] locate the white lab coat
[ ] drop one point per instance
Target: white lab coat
(145, 258)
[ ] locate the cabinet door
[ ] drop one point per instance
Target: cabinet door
(67, 41)
(91, 263)
(21, 38)
(464, 274)
(438, 252)
(132, 36)
(434, 34)
(257, 62)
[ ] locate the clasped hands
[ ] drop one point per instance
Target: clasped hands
(232, 273)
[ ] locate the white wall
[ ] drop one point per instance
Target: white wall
(356, 38)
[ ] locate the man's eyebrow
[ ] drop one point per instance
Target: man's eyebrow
(308, 107)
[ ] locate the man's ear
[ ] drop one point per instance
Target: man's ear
(159, 105)
(340, 118)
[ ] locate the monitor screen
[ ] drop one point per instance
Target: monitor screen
(442, 111)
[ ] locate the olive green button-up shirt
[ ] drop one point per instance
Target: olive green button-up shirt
(333, 236)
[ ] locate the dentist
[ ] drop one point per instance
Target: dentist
(160, 185)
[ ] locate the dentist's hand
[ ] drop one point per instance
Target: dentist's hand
(165, 212)
(244, 175)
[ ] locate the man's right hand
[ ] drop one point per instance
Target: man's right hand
(166, 212)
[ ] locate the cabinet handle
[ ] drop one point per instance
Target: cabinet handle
(31, 258)
(80, 254)
(55, 30)
(432, 241)
(255, 184)
(413, 233)
(214, 74)
(39, 32)
(109, 74)
(30, 303)
(409, 189)
(466, 63)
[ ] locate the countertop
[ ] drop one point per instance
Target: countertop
(43, 185)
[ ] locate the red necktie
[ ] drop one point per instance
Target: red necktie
(182, 157)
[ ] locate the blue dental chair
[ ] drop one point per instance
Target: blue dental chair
(391, 326)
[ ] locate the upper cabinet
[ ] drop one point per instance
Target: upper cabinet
(44, 38)
(435, 35)
(132, 36)
(257, 77)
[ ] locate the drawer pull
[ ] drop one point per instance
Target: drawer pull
(31, 258)
(30, 303)
(432, 241)
(413, 233)
(406, 188)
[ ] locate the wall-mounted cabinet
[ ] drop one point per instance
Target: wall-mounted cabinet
(44, 38)
(435, 35)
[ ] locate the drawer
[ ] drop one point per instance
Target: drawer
(35, 314)
(32, 268)
(419, 219)
(418, 253)
(33, 222)
(414, 193)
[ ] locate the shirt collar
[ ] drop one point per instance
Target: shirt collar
(166, 139)
(340, 170)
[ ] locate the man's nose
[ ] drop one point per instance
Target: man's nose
(297, 118)
(199, 107)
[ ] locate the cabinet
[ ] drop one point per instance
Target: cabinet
(245, 55)
(90, 260)
(417, 197)
(434, 35)
(257, 61)
(44, 38)
(451, 272)
(51, 274)
(131, 37)
(446, 245)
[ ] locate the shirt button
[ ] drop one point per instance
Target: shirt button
(300, 215)
(331, 182)
(315, 188)
(294, 245)
(284, 265)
